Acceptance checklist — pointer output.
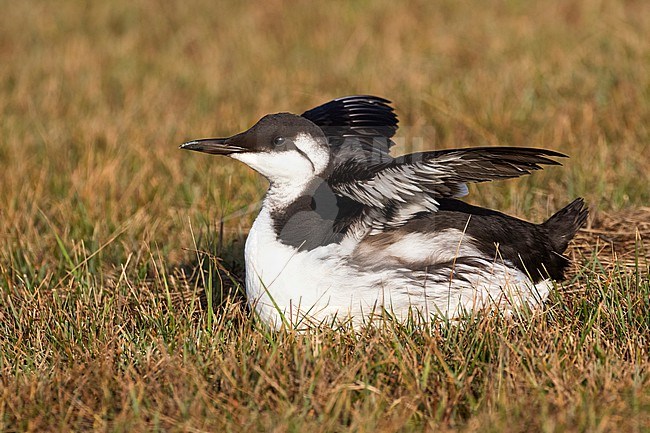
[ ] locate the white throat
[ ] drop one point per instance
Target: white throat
(282, 194)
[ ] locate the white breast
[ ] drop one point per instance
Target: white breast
(279, 278)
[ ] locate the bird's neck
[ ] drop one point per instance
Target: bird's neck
(282, 193)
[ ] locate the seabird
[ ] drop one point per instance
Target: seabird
(347, 231)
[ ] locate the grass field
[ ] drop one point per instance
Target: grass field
(117, 311)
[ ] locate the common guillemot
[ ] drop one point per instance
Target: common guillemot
(347, 231)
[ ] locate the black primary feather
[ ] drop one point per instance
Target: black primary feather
(357, 127)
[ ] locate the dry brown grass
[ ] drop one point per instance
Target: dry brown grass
(104, 323)
(617, 239)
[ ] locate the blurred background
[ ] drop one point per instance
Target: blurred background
(106, 307)
(95, 98)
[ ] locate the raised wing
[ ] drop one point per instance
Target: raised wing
(404, 186)
(358, 127)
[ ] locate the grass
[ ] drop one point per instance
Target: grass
(109, 236)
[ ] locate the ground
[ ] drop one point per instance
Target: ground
(120, 255)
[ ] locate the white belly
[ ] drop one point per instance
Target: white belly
(284, 285)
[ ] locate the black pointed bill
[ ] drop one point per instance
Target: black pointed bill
(214, 146)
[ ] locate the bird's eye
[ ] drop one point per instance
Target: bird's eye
(278, 141)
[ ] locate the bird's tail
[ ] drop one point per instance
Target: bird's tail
(564, 224)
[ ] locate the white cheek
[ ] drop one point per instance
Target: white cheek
(278, 167)
(318, 155)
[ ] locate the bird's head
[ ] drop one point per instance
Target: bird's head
(283, 147)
